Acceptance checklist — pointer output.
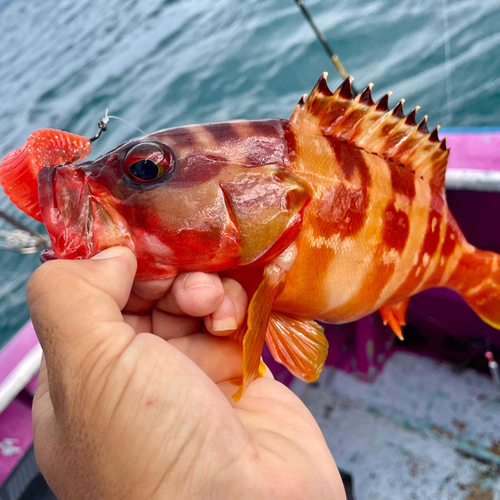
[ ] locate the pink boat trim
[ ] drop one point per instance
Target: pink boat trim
(479, 151)
(19, 362)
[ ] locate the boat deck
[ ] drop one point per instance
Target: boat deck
(421, 431)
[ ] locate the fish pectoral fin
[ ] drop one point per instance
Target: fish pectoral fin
(259, 312)
(299, 344)
(394, 315)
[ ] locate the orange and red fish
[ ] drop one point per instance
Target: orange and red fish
(332, 214)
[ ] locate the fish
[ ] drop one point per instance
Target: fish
(330, 215)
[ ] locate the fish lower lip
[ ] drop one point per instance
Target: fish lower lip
(66, 212)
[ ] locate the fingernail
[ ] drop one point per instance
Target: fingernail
(109, 253)
(229, 322)
(197, 280)
(224, 325)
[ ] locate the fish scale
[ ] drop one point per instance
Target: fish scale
(332, 214)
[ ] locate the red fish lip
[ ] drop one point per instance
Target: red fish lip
(81, 218)
(60, 193)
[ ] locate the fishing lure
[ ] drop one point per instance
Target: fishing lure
(331, 214)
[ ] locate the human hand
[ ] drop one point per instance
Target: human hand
(121, 413)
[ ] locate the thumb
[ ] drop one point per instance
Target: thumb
(76, 307)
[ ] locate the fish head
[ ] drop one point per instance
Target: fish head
(208, 198)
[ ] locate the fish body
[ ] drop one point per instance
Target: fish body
(332, 214)
(378, 229)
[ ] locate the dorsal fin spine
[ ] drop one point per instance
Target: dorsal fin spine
(388, 122)
(367, 140)
(407, 155)
(371, 126)
(411, 118)
(422, 127)
(398, 110)
(393, 140)
(383, 103)
(434, 135)
(364, 117)
(348, 124)
(400, 147)
(342, 119)
(345, 90)
(322, 86)
(433, 147)
(366, 95)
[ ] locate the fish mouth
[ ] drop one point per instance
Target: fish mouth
(82, 217)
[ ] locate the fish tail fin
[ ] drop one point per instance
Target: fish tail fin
(477, 279)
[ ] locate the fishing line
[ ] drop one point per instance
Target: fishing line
(127, 122)
(447, 68)
(103, 125)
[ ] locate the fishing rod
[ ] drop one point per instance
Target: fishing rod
(17, 224)
(334, 57)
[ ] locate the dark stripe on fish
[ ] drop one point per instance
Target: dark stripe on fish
(402, 180)
(290, 139)
(396, 228)
(350, 160)
(340, 211)
(452, 237)
(429, 247)
(225, 131)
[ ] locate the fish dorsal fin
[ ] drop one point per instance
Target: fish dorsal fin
(373, 127)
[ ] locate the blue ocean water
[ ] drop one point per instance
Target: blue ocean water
(162, 63)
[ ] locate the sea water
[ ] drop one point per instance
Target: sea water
(164, 63)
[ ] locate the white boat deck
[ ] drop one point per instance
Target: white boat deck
(421, 431)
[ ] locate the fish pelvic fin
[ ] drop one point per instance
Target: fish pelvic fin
(299, 344)
(394, 316)
(477, 279)
(373, 127)
(258, 315)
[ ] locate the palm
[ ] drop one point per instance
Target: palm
(268, 416)
(137, 398)
(254, 441)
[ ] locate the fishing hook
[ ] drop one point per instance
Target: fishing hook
(103, 126)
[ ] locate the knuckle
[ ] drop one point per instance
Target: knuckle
(49, 276)
(39, 278)
(233, 287)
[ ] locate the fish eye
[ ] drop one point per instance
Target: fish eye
(145, 170)
(147, 162)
